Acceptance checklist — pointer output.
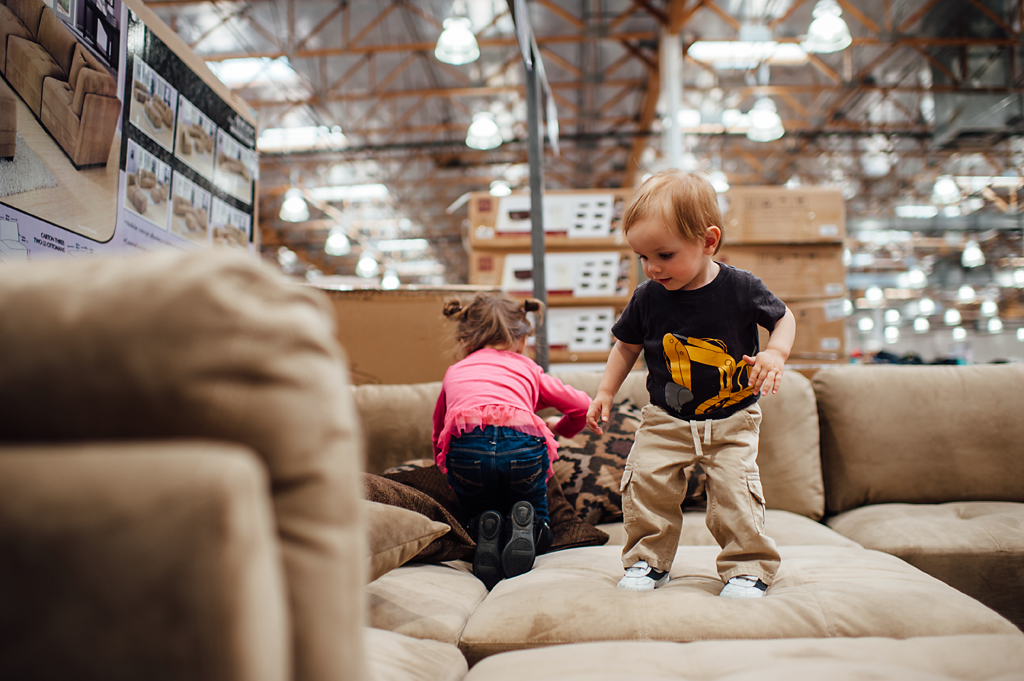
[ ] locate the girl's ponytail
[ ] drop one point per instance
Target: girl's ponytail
(452, 308)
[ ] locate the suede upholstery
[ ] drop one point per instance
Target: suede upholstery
(937, 484)
(56, 39)
(203, 345)
(938, 658)
(831, 585)
(11, 25)
(28, 65)
(191, 522)
(8, 120)
(68, 89)
(28, 12)
(819, 591)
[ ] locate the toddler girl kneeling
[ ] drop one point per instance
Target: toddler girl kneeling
(488, 439)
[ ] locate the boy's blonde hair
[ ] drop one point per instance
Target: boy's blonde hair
(686, 201)
(491, 319)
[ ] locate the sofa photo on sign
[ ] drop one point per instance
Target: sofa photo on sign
(190, 484)
(71, 93)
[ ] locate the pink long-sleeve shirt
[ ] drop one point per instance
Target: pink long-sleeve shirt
(501, 388)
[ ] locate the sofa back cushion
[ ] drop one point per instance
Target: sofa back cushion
(77, 63)
(788, 456)
(28, 12)
(920, 434)
(205, 345)
(57, 40)
(397, 423)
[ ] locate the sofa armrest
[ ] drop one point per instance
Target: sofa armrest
(96, 129)
(117, 560)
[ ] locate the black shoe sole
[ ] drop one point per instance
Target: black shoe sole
(519, 553)
(487, 560)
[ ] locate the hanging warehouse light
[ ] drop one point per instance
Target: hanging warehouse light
(294, 208)
(457, 45)
(765, 123)
(828, 31)
(483, 132)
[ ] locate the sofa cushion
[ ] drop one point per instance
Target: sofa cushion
(920, 434)
(56, 114)
(56, 39)
(10, 25)
(394, 657)
(205, 344)
(450, 545)
(397, 421)
(121, 558)
(589, 467)
(92, 82)
(426, 601)
(77, 63)
(395, 535)
(28, 12)
(977, 547)
(787, 529)
(788, 456)
(819, 592)
(937, 658)
(28, 65)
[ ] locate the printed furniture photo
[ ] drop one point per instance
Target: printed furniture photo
(66, 87)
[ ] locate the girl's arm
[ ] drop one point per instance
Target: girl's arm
(620, 362)
(571, 402)
(440, 409)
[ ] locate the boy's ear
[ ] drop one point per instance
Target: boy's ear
(712, 237)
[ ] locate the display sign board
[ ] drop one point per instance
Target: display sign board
(137, 147)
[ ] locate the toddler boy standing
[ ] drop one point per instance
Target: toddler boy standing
(696, 322)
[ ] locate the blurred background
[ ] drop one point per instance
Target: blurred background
(386, 126)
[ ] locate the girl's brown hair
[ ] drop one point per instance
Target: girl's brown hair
(491, 319)
(686, 201)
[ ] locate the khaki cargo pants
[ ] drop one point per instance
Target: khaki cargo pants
(653, 486)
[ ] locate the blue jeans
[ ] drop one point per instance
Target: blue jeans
(492, 468)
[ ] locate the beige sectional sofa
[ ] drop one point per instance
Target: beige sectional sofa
(66, 87)
(878, 432)
(180, 462)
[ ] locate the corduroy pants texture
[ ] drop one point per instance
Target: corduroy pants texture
(653, 486)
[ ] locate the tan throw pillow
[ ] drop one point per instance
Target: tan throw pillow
(395, 535)
(589, 468)
(452, 545)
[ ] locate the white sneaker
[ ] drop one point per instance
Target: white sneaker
(642, 577)
(744, 586)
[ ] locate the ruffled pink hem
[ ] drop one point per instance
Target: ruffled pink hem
(457, 423)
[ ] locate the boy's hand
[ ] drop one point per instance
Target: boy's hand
(765, 371)
(598, 412)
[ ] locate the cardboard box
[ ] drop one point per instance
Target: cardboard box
(397, 336)
(595, 275)
(820, 331)
(570, 216)
(774, 215)
(792, 272)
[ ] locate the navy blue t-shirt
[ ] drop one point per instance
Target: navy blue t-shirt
(694, 341)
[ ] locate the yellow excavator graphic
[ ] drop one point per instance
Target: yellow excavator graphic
(681, 351)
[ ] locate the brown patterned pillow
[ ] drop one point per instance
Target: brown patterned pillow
(569, 530)
(589, 468)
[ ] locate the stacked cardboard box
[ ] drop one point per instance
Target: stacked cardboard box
(589, 271)
(793, 240)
